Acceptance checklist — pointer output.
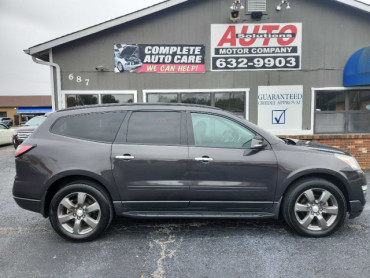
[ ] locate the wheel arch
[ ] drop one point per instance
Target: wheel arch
(57, 183)
(337, 181)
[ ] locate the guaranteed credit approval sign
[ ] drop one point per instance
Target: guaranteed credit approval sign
(270, 46)
(280, 107)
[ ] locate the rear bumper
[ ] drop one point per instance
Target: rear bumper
(29, 204)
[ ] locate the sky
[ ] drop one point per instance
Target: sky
(25, 23)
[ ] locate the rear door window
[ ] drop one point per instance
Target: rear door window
(155, 127)
(101, 127)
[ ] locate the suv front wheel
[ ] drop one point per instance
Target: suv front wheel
(80, 211)
(314, 207)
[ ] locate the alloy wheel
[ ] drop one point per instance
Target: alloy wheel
(79, 213)
(316, 209)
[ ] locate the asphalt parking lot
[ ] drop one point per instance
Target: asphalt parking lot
(175, 248)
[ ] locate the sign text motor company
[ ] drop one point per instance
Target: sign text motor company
(273, 46)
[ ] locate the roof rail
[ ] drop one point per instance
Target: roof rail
(136, 104)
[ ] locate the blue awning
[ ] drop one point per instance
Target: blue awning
(357, 70)
(33, 110)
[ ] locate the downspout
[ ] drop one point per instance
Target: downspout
(59, 82)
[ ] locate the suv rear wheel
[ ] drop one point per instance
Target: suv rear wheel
(314, 207)
(80, 211)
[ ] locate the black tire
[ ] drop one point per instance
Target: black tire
(101, 217)
(297, 219)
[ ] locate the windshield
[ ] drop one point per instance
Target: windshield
(36, 121)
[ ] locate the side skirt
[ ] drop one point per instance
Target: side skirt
(179, 210)
(198, 214)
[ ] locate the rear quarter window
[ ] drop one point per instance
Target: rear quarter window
(101, 127)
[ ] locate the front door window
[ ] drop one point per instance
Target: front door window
(219, 132)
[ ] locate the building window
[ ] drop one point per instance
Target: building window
(232, 101)
(196, 98)
(80, 98)
(342, 111)
(164, 98)
(116, 98)
(3, 114)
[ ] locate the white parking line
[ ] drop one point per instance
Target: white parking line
(7, 151)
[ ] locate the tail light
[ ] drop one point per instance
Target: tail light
(22, 149)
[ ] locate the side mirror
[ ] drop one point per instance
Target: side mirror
(257, 143)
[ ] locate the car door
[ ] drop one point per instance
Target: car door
(225, 172)
(5, 135)
(2, 134)
(149, 160)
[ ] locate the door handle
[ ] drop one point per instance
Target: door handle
(125, 157)
(204, 159)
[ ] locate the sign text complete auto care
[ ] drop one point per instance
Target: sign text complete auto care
(173, 58)
(274, 46)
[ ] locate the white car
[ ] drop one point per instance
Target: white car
(6, 135)
(127, 59)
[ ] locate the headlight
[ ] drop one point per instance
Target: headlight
(350, 160)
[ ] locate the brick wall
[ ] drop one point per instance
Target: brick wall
(356, 144)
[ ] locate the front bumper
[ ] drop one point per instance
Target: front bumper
(133, 67)
(364, 189)
(357, 193)
(355, 208)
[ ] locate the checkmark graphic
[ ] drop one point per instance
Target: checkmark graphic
(278, 120)
(278, 117)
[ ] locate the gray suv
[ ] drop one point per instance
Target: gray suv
(85, 165)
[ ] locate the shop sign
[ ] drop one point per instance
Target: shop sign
(159, 58)
(280, 107)
(242, 47)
